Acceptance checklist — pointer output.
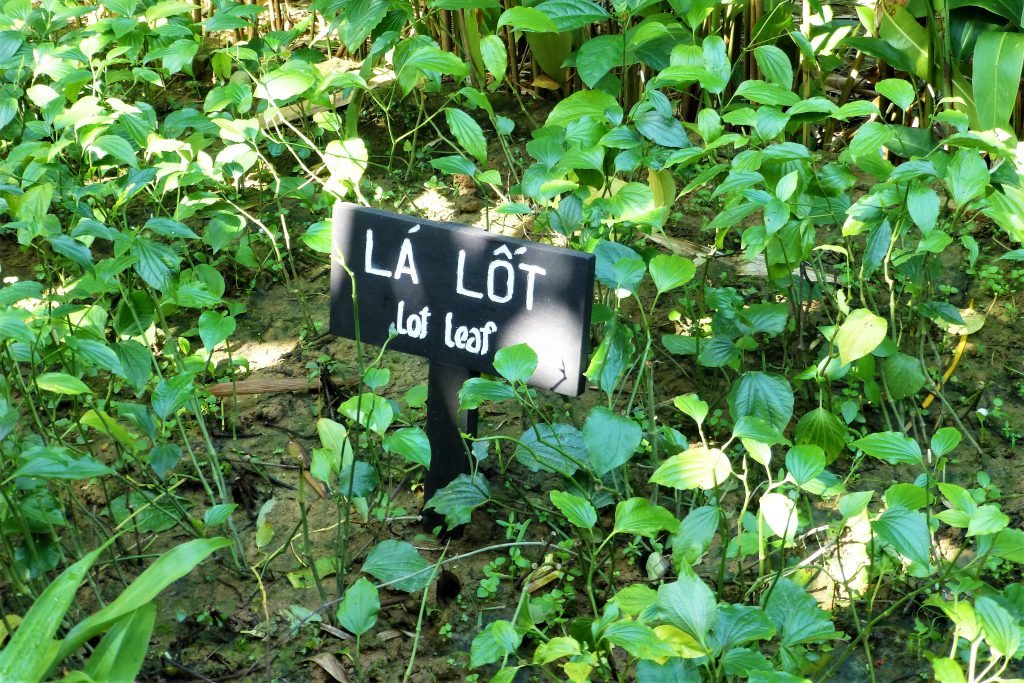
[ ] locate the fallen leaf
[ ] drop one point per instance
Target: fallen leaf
(331, 665)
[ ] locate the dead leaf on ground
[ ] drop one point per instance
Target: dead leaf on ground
(331, 665)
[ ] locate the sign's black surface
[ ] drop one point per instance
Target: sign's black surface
(457, 294)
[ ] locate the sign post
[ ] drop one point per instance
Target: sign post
(456, 295)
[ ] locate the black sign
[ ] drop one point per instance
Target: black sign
(457, 294)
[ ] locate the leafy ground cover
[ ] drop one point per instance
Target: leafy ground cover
(794, 460)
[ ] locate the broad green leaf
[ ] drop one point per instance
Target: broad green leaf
(697, 467)
(820, 427)
(358, 609)
(457, 500)
(369, 410)
(767, 93)
(966, 176)
(907, 532)
(892, 447)
(527, 19)
(215, 328)
(900, 92)
(797, 616)
(903, 375)
(577, 510)
(1001, 630)
(859, 335)
(987, 519)
(945, 440)
(1006, 208)
(411, 443)
(805, 462)
(637, 639)
(581, 104)
(599, 55)
(359, 19)
(556, 648)
(154, 262)
(467, 132)
(318, 237)
(398, 564)
(779, 513)
(762, 395)
(569, 15)
(689, 605)
(738, 625)
(172, 394)
(497, 640)
(923, 206)
(516, 363)
(637, 516)
(610, 439)
(995, 77)
(555, 448)
(290, 80)
(479, 390)
(495, 57)
(691, 405)
(61, 383)
(775, 65)
(670, 271)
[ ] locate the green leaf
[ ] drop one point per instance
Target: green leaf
(637, 516)
(176, 56)
(478, 390)
(369, 410)
(578, 511)
(359, 19)
(923, 206)
(555, 448)
(903, 375)
(804, 463)
(171, 395)
(762, 395)
(1002, 633)
(820, 427)
(966, 176)
(318, 237)
(528, 19)
(995, 77)
(691, 405)
(168, 568)
(670, 271)
(496, 641)
(218, 514)
(215, 328)
(987, 519)
(114, 150)
(28, 656)
(61, 383)
(154, 261)
(900, 92)
(859, 335)
(689, 605)
(467, 132)
(1006, 208)
(892, 447)
(398, 561)
(738, 625)
(457, 500)
(291, 80)
(779, 513)
(775, 64)
(569, 15)
(357, 611)
(697, 467)
(582, 104)
(121, 652)
(492, 49)
(556, 648)
(797, 616)
(637, 639)
(516, 363)
(599, 55)
(907, 532)
(411, 443)
(766, 93)
(610, 439)
(945, 440)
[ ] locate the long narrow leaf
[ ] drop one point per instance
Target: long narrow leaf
(998, 59)
(120, 654)
(170, 567)
(25, 657)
